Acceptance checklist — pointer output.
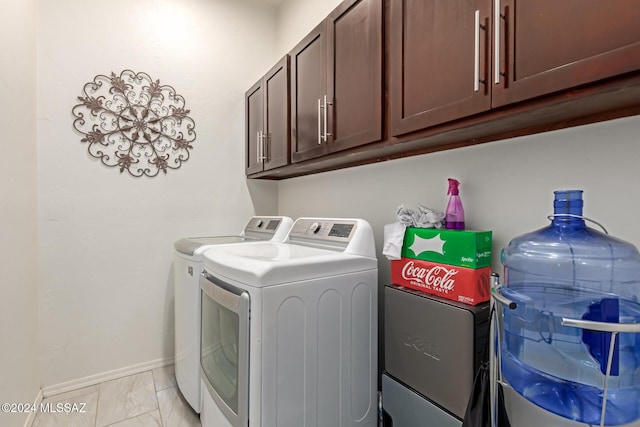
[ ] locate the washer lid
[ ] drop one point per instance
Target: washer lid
(274, 228)
(265, 264)
(189, 245)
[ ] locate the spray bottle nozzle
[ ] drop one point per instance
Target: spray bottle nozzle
(453, 186)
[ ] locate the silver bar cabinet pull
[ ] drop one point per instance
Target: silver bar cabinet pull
(265, 147)
(258, 139)
(496, 41)
(319, 122)
(326, 121)
(476, 54)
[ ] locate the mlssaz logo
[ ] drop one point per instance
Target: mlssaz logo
(434, 244)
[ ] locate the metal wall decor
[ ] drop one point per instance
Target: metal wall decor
(132, 122)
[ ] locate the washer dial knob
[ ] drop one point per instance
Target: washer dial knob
(315, 227)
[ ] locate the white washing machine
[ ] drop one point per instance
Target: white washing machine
(289, 330)
(187, 269)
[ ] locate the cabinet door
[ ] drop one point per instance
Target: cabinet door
(544, 46)
(276, 88)
(308, 87)
(254, 116)
(354, 39)
(439, 61)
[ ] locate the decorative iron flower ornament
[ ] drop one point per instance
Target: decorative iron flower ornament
(132, 122)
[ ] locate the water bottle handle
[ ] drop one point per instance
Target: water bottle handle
(601, 326)
(614, 328)
(495, 293)
(496, 286)
(550, 218)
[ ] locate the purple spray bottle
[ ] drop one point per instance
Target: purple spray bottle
(454, 217)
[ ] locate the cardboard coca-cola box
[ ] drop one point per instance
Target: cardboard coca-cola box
(466, 285)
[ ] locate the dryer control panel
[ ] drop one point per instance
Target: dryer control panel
(348, 235)
(263, 224)
(273, 228)
(323, 229)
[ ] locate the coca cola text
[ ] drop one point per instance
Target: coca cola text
(438, 277)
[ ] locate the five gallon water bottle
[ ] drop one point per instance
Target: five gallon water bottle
(569, 270)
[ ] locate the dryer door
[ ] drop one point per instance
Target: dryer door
(224, 358)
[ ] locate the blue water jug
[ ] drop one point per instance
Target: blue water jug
(563, 272)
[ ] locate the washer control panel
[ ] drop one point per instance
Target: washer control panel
(263, 224)
(323, 229)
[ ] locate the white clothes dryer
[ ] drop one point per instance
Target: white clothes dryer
(187, 268)
(289, 330)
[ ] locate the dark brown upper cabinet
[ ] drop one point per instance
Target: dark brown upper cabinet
(396, 78)
(267, 120)
(438, 61)
(545, 46)
(336, 82)
(450, 59)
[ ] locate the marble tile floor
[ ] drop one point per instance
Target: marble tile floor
(148, 399)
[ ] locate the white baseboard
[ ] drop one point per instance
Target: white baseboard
(105, 376)
(32, 414)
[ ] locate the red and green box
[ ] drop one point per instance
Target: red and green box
(466, 285)
(464, 248)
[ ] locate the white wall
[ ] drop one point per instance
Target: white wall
(106, 288)
(507, 186)
(19, 371)
(297, 17)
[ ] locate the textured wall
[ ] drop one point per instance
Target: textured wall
(506, 186)
(297, 17)
(106, 287)
(18, 197)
